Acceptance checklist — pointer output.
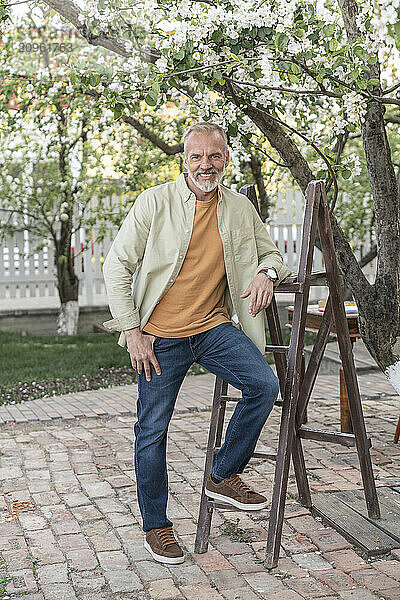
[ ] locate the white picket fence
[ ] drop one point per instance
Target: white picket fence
(27, 278)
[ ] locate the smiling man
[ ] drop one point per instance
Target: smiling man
(201, 256)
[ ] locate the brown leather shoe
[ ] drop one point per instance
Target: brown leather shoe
(163, 547)
(234, 491)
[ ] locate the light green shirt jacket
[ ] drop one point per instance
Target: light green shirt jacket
(151, 245)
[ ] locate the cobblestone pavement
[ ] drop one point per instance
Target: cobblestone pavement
(70, 526)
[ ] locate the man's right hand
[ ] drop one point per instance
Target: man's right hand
(140, 348)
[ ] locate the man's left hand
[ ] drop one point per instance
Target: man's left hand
(261, 291)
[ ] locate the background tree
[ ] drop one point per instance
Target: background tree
(303, 76)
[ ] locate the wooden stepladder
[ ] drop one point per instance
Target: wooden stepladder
(296, 385)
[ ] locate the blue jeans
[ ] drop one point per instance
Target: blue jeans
(227, 352)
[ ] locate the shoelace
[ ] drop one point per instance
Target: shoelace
(243, 487)
(166, 536)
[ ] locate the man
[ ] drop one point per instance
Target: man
(198, 250)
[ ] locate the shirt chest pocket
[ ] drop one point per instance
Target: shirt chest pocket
(244, 246)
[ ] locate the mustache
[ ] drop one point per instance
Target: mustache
(207, 172)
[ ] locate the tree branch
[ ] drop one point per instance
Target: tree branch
(149, 134)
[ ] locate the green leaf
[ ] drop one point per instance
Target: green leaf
(94, 79)
(346, 173)
(282, 41)
(217, 35)
(360, 52)
(74, 78)
(180, 54)
(374, 81)
(151, 98)
(329, 30)
(333, 45)
(293, 78)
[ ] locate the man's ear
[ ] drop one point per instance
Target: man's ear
(184, 160)
(227, 158)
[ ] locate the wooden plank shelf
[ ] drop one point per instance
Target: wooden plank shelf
(346, 512)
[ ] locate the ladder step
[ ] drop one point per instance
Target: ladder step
(265, 455)
(335, 437)
(290, 284)
(279, 349)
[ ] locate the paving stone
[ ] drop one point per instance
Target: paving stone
(264, 582)
(164, 589)
(374, 580)
(110, 505)
(10, 473)
(30, 522)
(52, 574)
(86, 513)
(200, 591)
(98, 490)
(347, 560)
(336, 579)
(212, 561)
(87, 580)
(59, 591)
(312, 561)
(328, 540)
(22, 580)
(150, 570)
(72, 542)
(123, 581)
(357, 594)
(186, 574)
(76, 499)
(226, 580)
(246, 563)
(310, 587)
(241, 594)
(389, 567)
(82, 559)
(112, 560)
(106, 541)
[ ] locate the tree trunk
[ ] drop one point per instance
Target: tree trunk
(68, 289)
(379, 304)
(380, 312)
(255, 165)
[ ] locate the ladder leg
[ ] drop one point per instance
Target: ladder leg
(275, 333)
(286, 433)
(290, 396)
(347, 357)
(298, 455)
(301, 473)
(205, 511)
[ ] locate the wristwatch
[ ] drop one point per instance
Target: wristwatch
(270, 273)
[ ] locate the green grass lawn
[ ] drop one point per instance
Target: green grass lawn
(33, 366)
(25, 358)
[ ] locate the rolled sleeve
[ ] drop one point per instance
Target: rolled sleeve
(124, 322)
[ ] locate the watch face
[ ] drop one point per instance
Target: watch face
(271, 273)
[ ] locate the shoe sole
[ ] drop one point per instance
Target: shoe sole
(164, 559)
(234, 502)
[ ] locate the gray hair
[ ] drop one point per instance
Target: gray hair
(204, 127)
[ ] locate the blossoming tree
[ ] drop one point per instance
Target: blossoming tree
(306, 75)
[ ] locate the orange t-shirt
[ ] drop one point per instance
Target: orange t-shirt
(196, 300)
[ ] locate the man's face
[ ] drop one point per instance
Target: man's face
(206, 158)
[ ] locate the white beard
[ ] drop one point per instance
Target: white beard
(207, 186)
